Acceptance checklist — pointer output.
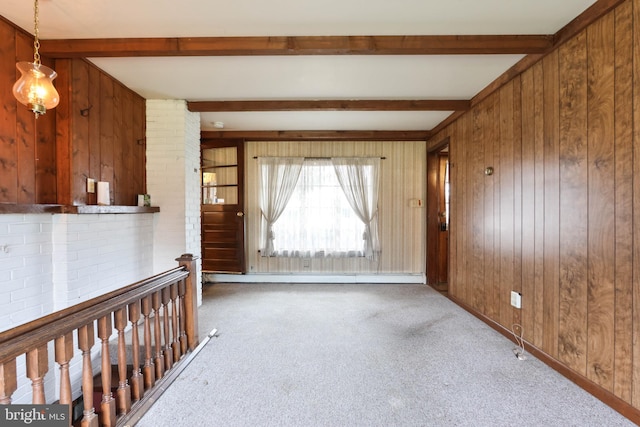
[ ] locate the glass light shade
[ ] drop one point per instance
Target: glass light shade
(35, 87)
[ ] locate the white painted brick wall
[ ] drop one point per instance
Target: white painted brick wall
(192, 193)
(26, 283)
(101, 253)
(54, 261)
(173, 180)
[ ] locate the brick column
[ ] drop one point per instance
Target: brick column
(173, 181)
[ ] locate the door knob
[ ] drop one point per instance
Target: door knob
(240, 213)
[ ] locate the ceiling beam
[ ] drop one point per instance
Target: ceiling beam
(331, 105)
(298, 45)
(318, 135)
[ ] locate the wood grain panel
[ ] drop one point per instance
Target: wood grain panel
(118, 172)
(477, 258)
(517, 193)
(64, 141)
(528, 204)
(106, 131)
(139, 148)
(623, 336)
(491, 207)
(46, 169)
(457, 279)
(466, 139)
(126, 170)
(538, 204)
(506, 200)
(93, 104)
(636, 204)
(601, 133)
(551, 223)
(80, 131)
(25, 134)
(45, 131)
(8, 149)
(572, 328)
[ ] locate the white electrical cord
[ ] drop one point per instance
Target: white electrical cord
(519, 351)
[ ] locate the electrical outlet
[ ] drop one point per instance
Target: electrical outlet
(516, 299)
(91, 185)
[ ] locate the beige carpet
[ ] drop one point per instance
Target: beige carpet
(362, 355)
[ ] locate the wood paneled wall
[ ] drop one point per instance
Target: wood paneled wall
(27, 145)
(101, 135)
(559, 220)
(97, 131)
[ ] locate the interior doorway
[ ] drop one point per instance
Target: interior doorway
(438, 190)
(222, 208)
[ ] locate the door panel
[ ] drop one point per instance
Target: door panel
(437, 218)
(222, 206)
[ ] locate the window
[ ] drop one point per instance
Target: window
(317, 216)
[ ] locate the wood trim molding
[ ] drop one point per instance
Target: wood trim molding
(597, 391)
(332, 105)
(318, 135)
(11, 208)
(298, 45)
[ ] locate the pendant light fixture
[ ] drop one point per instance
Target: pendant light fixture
(35, 87)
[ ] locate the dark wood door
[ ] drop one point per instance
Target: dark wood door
(222, 206)
(438, 218)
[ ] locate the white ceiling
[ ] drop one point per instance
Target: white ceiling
(301, 77)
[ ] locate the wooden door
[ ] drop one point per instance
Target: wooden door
(438, 218)
(222, 207)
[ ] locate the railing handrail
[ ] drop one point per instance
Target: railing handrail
(22, 338)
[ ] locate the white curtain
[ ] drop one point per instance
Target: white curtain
(318, 221)
(278, 178)
(359, 179)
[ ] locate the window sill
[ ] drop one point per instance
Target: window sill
(66, 209)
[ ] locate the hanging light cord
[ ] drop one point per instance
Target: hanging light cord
(36, 40)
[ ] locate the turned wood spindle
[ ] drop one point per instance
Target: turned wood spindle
(123, 393)
(168, 352)
(64, 354)
(8, 381)
(108, 404)
(85, 342)
(175, 345)
(148, 370)
(181, 303)
(137, 381)
(157, 329)
(37, 367)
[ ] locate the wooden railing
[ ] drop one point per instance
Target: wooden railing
(163, 306)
